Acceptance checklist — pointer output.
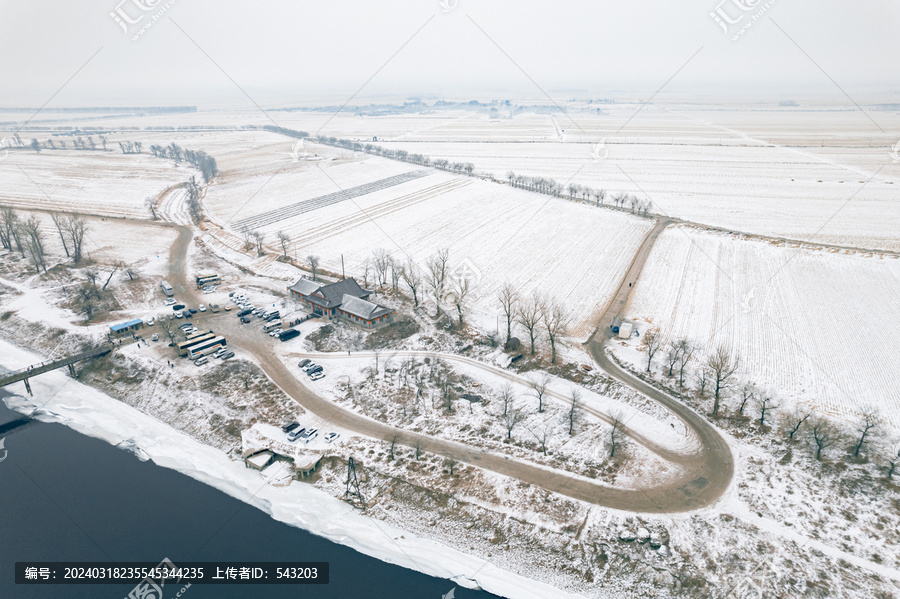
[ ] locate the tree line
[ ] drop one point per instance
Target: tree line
(27, 236)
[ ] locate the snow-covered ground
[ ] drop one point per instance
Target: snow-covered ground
(93, 413)
(818, 326)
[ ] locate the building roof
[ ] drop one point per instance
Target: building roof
(125, 325)
(304, 286)
(362, 308)
(331, 296)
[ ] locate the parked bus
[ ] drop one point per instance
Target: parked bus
(193, 340)
(275, 324)
(167, 289)
(207, 279)
(206, 347)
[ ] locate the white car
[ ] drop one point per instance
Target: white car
(317, 375)
(155, 337)
(220, 353)
(151, 322)
(202, 308)
(331, 437)
(170, 302)
(275, 333)
(179, 314)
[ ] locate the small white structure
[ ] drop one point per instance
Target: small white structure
(625, 330)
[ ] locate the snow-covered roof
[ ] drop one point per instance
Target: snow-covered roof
(305, 286)
(362, 308)
(125, 325)
(261, 459)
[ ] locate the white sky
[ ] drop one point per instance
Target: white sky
(283, 51)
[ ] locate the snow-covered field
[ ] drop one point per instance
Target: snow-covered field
(818, 326)
(572, 253)
(107, 183)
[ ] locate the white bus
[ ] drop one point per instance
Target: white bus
(206, 348)
(275, 324)
(167, 289)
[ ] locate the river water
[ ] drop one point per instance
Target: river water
(68, 497)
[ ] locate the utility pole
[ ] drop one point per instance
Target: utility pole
(343, 276)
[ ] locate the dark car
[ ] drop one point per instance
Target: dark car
(289, 427)
(288, 334)
(245, 312)
(228, 355)
(192, 310)
(312, 371)
(304, 362)
(178, 307)
(245, 319)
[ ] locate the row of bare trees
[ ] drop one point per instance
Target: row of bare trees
(79, 143)
(27, 235)
(534, 314)
(718, 375)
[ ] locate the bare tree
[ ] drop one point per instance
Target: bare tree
(765, 405)
(574, 410)
(824, 434)
(259, 239)
(132, 273)
(285, 240)
(507, 397)
(529, 316)
(118, 264)
(615, 432)
(721, 366)
(748, 392)
(702, 378)
(539, 387)
(461, 287)
(511, 419)
(673, 355)
(59, 221)
(793, 420)
(893, 460)
(542, 435)
(166, 325)
(688, 349)
(556, 322)
(151, 207)
(91, 275)
(381, 260)
(393, 443)
(869, 421)
(76, 226)
(32, 229)
(9, 221)
(436, 276)
(509, 301)
(314, 266)
(412, 276)
(396, 274)
(652, 343)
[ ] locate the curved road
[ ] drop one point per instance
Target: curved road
(708, 470)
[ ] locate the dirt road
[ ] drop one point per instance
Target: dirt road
(709, 469)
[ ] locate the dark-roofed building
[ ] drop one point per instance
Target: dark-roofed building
(364, 313)
(344, 298)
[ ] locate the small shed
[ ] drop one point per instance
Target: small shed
(625, 330)
(126, 329)
(260, 459)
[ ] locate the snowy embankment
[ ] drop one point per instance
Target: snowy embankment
(93, 413)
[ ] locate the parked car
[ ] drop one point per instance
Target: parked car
(201, 360)
(296, 434)
(317, 375)
(288, 334)
(186, 325)
(202, 308)
(312, 371)
(289, 427)
(152, 321)
(155, 337)
(178, 307)
(309, 435)
(275, 333)
(244, 312)
(170, 302)
(331, 437)
(193, 311)
(304, 362)
(309, 366)
(220, 353)
(228, 307)
(229, 354)
(179, 314)
(245, 319)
